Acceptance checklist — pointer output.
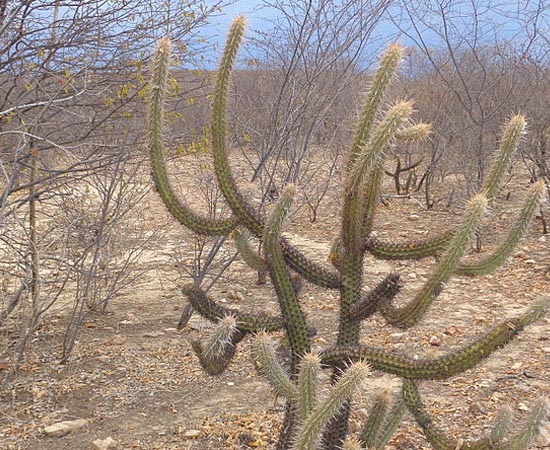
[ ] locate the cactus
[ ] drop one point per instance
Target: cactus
(313, 420)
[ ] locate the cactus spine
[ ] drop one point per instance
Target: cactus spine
(312, 420)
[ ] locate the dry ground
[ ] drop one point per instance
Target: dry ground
(133, 375)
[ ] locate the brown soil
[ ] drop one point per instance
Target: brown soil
(134, 376)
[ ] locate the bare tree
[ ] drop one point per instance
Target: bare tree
(472, 48)
(72, 83)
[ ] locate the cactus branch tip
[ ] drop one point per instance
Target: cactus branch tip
(311, 358)
(290, 189)
(239, 21)
(478, 201)
(518, 121)
(164, 45)
(394, 52)
(403, 108)
(539, 187)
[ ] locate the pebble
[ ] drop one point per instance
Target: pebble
(117, 340)
(191, 434)
(104, 444)
(414, 217)
(60, 429)
(451, 331)
(435, 341)
(396, 337)
(153, 334)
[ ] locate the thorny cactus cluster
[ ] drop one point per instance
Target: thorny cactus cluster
(311, 420)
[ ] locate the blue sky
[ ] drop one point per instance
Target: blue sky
(256, 17)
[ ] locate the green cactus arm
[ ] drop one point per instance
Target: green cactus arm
(417, 132)
(220, 335)
(364, 180)
(393, 418)
(497, 258)
(375, 419)
(307, 384)
(210, 310)
(248, 254)
(309, 432)
(502, 425)
(234, 198)
(215, 362)
(389, 63)
(444, 366)
(520, 440)
(386, 290)
(313, 272)
(409, 250)
(372, 154)
(511, 136)
(371, 163)
(263, 352)
(181, 212)
(539, 416)
(410, 314)
(294, 319)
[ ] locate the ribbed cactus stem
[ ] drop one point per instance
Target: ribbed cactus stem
(391, 422)
(444, 366)
(409, 250)
(502, 424)
(210, 310)
(518, 441)
(519, 228)
(513, 131)
(158, 87)
(295, 322)
(389, 63)
(377, 413)
(369, 302)
(308, 384)
(219, 337)
(220, 349)
(372, 154)
(280, 211)
(236, 201)
(536, 420)
(263, 352)
(414, 311)
(371, 162)
(309, 433)
(417, 132)
(234, 198)
(248, 254)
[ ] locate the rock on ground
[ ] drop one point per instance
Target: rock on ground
(62, 428)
